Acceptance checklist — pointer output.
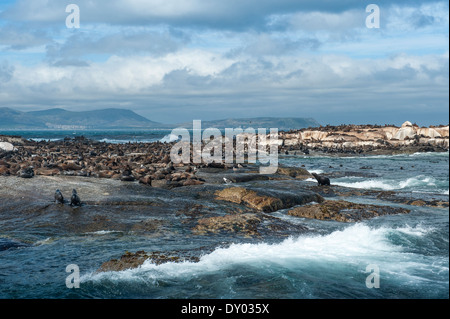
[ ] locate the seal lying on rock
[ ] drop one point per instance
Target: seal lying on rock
(59, 197)
(321, 180)
(75, 199)
(27, 173)
(127, 175)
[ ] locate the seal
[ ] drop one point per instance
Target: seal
(27, 173)
(75, 199)
(127, 175)
(59, 197)
(321, 180)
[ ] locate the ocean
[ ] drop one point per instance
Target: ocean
(410, 252)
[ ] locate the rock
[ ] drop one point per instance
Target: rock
(250, 198)
(239, 223)
(7, 147)
(295, 172)
(135, 260)
(418, 203)
(344, 211)
(265, 201)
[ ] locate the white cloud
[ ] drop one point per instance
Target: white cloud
(242, 56)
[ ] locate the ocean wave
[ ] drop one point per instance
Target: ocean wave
(169, 138)
(390, 185)
(125, 141)
(355, 245)
(316, 171)
(103, 232)
(39, 139)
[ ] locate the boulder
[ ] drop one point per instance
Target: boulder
(295, 172)
(266, 201)
(245, 224)
(7, 147)
(135, 260)
(344, 211)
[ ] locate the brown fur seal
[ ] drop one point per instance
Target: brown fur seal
(321, 180)
(75, 199)
(59, 197)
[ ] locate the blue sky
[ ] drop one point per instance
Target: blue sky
(178, 60)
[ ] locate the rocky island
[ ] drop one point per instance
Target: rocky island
(161, 198)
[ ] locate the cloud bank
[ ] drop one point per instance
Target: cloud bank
(174, 61)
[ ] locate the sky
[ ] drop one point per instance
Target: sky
(174, 61)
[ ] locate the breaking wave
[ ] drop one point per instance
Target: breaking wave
(355, 246)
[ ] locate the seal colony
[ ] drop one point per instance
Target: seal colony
(150, 163)
(203, 199)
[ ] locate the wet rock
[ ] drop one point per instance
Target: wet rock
(249, 198)
(265, 201)
(295, 172)
(245, 224)
(344, 211)
(418, 203)
(7, 243)
(135, 260)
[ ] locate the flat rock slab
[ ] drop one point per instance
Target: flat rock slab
(344, 211)
(135, 260)
(266, 200)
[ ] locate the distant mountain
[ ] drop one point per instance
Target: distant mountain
(63, 119)
(284, 124)
(60, 119)
(10, 119)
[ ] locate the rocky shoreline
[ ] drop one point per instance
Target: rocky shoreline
(165, 199)
(366, 139)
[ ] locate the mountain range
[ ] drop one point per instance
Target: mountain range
(63, 119)
(60, 119)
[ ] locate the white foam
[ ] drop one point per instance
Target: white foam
(115, 141)
(102, 232)
(418, 181)
(43, 241)
(38, 139)
(355, 245)
(169, 138)
(316, 171)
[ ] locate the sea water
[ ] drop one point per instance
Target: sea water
(411, 251)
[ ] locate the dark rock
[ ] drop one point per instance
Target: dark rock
(344, 211)
(134, 260)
